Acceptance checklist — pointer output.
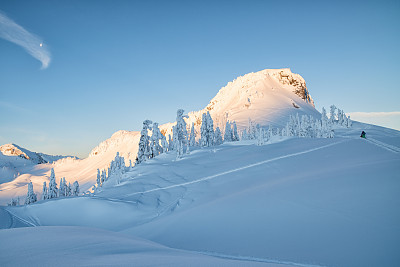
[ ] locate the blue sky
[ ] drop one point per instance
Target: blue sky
(115, 63)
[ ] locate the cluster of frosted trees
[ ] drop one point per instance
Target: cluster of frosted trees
(64, 190)
(114, 172)
(182, 139)
(304, 126)
(155, 144)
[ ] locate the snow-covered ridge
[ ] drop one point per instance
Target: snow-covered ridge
(267, 97)
(117, 141)
(17, 151)
(37, 158)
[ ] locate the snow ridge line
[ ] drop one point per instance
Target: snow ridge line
(234, 170)
(388, 147)
(249, 258)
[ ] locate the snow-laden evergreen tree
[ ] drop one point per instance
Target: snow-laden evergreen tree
(192, 139)
(170, 143)
(181, 132)
(45, 193)
(61, 189)
(203, 130)
(324, 117)
(53, 190)
(210, 129)
(333, 114)
(260, 136)
(31, 196)
(245, 135)
(68, 190)
(228, 132)
(13, 202)
(269, 133)
(155, 140)
(144, 145)
(235, 132)
(75, 188)
(98, 179)
(349, 122)
(217, 137)
(117, 168)
(103, 176)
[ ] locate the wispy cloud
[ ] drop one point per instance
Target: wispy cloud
(11, 31)
(386, 119)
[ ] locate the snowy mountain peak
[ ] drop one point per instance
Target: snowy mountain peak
(17, 151)
(267, 97)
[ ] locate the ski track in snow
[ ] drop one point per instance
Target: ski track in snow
(247, 258)
(13, 217)
(388, 147)
(234, 170)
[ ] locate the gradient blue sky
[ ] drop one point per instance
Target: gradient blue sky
(116, 63)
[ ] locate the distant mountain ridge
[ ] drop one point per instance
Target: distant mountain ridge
(35, 157)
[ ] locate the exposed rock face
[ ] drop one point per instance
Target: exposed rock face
(285, 76)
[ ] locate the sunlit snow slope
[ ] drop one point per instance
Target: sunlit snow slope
(300, 201)
(267, 97)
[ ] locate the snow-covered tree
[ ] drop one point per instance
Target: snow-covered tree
(31, 196)
(144, 145)
(14, 202)
(245, 135)
(180, 136)
(203, 130)
(210, 129)
(349, 122)
(98, 179)
(192, 139)
(68, 190)
(170, 143)
(61, 189)
(155, 141)
(117, 168)
(164, 144)
(228, 136)
(53, 190)
(103, 176)
(217, 137)
(45, 193)
(333, 113)
(260, 136)
(75, 189)
(235, 132)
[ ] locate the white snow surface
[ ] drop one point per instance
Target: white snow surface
(296, 201)
(81, 246)
(266, 97)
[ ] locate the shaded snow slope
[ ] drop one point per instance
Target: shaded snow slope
(329, 202)
(79, 246)
(267, 97)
